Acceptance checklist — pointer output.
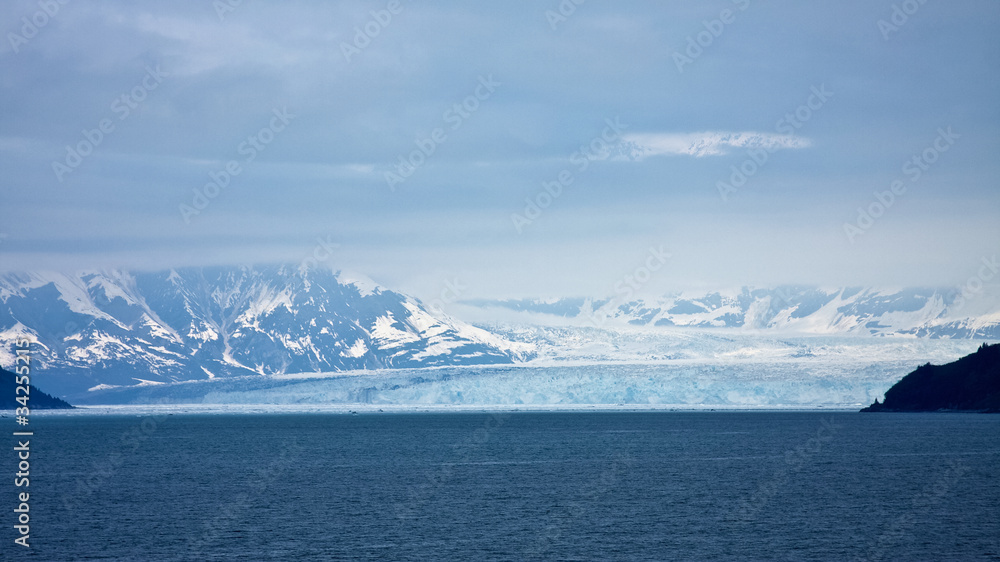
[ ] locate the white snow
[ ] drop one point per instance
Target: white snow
(207, 334)
(8, 342)
(103, 387)
(166, 351)
(358, 349)
(361, 282)
(159, 330)
(438, 348)
(774, 359)
(844, 379)
(266, 300)
(387, 336)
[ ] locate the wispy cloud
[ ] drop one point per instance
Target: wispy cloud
(638, 146)
(325, 175)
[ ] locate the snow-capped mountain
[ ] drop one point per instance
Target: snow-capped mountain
(921, 312)
(95, 329)
(102, 330)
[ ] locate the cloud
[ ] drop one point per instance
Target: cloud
(639, 146)
(323, 176)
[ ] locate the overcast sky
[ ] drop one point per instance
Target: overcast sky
(643, 110)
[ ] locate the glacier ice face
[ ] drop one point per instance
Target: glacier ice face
(733, 372)
(110, 331)
(737, 385)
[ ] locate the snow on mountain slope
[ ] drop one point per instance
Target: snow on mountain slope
(117, 328)
(709, 370)
(923, 312)
(111, 330)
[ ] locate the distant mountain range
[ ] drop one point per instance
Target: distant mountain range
(100, 329)
(95, 329)
(921, 312)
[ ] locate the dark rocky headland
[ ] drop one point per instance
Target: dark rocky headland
(37, 400)
(970, 384)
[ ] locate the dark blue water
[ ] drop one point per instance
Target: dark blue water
(522, 486)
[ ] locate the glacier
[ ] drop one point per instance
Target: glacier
(720, 372)
(288, 336)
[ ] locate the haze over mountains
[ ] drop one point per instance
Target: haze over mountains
(95, 330)
(922, 312)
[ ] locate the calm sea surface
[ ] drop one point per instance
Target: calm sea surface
(511, 486)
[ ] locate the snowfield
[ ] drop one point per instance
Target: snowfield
(715, 371)
(284, 336)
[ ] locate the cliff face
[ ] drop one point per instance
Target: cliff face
(970, 384)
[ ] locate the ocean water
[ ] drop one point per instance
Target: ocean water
(512, 486)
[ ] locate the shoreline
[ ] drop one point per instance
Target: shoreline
(350, 409)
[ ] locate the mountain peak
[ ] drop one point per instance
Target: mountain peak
(919, 311)
(364, 284)
(193, 323)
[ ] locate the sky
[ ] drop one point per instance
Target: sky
(509, 149)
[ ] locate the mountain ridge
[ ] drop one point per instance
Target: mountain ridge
(104, 329)
(916, 312)
(195, 323)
